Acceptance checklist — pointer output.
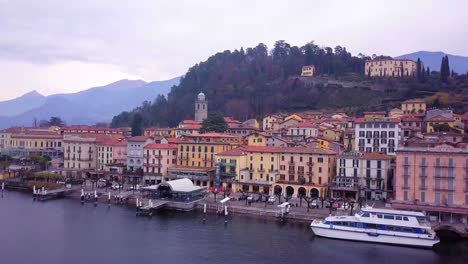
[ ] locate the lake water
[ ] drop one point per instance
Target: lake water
(64, 231)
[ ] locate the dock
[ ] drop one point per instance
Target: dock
(53, 194)
(147, 210)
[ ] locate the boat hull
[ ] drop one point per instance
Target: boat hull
(325, 231)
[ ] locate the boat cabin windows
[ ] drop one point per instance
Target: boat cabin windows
(389, 217)
(398, 217)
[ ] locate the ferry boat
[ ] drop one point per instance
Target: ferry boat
(386, 226)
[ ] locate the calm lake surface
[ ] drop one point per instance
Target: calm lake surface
(64, 231)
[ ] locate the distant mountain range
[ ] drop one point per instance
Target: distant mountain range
(98, 104)
(459, 64)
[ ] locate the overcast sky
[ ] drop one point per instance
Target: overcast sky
(64, 46)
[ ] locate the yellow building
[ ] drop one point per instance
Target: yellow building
(308, 71)
(439, 123)
(288, 170)
(413, 106)
(390, 68)
(331, 134)
(196, 156)
(24, 142)
(257, 139)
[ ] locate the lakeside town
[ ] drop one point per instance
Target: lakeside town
(414, 157)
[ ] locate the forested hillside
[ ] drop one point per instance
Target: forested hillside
(256, 81)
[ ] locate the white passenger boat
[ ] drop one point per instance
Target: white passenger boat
(379, 226)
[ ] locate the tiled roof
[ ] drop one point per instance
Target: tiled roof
(139, 138)
(305, 125)
(160, 146)
(213, 135)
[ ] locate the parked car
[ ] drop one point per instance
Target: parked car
(314, 204)
(116, 186)
(271, 199)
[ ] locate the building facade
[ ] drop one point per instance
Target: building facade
(390, 68)
(363, 175)
(308, 71)
(433, 179)
(377, 135)
(158, 158)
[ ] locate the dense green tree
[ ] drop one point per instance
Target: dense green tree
(137, 125)
(214, 123)
(418, 69)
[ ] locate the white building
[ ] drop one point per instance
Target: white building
(365, 175)
(135, 152)
(303, 129)
(377, 135)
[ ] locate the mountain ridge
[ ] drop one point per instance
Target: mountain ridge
(96, 104)
(458, 64)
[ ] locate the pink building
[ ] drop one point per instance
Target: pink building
(433, 179)
(158, 158)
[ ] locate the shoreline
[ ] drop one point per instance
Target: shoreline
(450, 232)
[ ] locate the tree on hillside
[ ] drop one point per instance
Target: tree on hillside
(137, 125)
(214, 123)
(444, 69)
(428, 72)
(418, 69)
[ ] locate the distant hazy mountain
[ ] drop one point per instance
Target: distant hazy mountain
(98, 104)
(433, 58)
(20, 104)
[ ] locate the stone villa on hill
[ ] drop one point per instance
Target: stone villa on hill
(390, 68)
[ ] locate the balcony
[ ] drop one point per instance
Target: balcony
(443, 189)
(272, 171)
(291, 162)
(422, 187)
(291, 172)
(154, 165)
(310, 173)
(310, 164)
(261, 170)
(405, 187)
(423, 175)
(423, 165)
(444, 176)
(228, 174)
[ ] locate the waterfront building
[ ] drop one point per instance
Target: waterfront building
(83, 129)
(81, 153)
(305, 171)
(362, 175)
(377, 135)
(308, 71)
(111, 153)
(21, 142)
(289, 171)
(390, 68)
(414, 106)
(135, 155)
(201, 108)
(433, 179)
(158, 158)
(196, 156)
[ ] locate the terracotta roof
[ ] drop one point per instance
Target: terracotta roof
(160, 146)
(189, 121)
(375, 156)
(190, 127)
(172, 140)
(305, 124)
(240, 151)
(410, 118)
(269, 149)
(213, 135)
(377, 120)
(440, 118)
(139, 138)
